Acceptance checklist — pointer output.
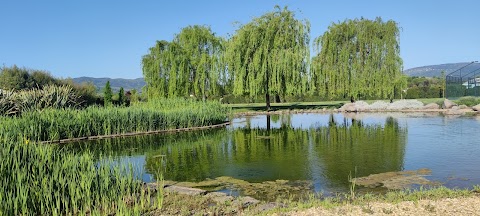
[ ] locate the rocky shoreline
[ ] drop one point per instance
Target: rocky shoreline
(403, 106)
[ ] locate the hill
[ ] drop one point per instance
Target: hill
(436, 70)
(127, 84)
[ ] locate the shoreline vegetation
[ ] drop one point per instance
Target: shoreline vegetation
(191, 201)
(42, 180)
(162, 115)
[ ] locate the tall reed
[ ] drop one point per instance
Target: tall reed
(55, 124)
(37, 180)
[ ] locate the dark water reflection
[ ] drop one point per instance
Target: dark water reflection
(321, 148)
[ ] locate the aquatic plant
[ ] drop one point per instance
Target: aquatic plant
(55, 124)
(37, 180)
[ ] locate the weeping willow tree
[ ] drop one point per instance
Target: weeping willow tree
(269, 56)
(358, 58)
(189, 65)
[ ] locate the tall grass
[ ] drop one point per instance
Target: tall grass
(42, 180)
(37, 180)
(51, 96)
(55, 124)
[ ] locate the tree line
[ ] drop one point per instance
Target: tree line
(270, 57)
(16, 78)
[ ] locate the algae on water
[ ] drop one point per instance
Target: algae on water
(395, 180)
(268, 190)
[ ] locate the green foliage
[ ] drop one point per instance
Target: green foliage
(14, 78)
(51, 96)
(7, 103)
(86, 91)
(122, 100)
(469, 101)
(188, 65)
(425, 87)
(134, 98)
(39, 180)
(270, 55)
(107, 94)
(358, 57)
(55, 124)
(17, 79)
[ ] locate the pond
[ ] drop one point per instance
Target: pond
(318, 152)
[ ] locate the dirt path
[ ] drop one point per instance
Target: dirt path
(447, 206)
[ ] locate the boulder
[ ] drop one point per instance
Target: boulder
(245, 201)
(455, 111)
(431, 106)
(476, 107)
(447, 104)
(349, 107)
(463, 106)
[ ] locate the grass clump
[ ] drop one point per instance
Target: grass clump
(468, 101)
(50, 96)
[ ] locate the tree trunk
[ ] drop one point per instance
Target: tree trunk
(277, 98)
(268, 124)
(267, 99)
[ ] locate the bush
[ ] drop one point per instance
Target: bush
(51, 96)
(469, 101)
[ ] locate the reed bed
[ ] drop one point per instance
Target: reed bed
(55, 124)
(39, 180)
(44, 180)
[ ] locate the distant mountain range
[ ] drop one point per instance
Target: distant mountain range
(425, 71)
(436, 70)
(115, 84)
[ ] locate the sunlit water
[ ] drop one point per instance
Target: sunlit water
(321, 148)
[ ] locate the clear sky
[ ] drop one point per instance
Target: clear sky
(102, 38)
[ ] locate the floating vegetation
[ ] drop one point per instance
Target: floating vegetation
(396, 180)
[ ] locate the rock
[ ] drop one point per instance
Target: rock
(431, 106)
(454, 111)
(447, 104)
(476, 107)
(219, 197)
(455, 108)
(349, 107)
(268, 206)
(463, 106)
(185, 190)
(245, 201)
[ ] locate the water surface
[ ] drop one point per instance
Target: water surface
(325, 149)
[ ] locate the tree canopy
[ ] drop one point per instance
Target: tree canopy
(270, 55)
(358, 57)
(107, 94)
(188, 65)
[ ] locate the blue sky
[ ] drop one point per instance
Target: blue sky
(108, 38)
